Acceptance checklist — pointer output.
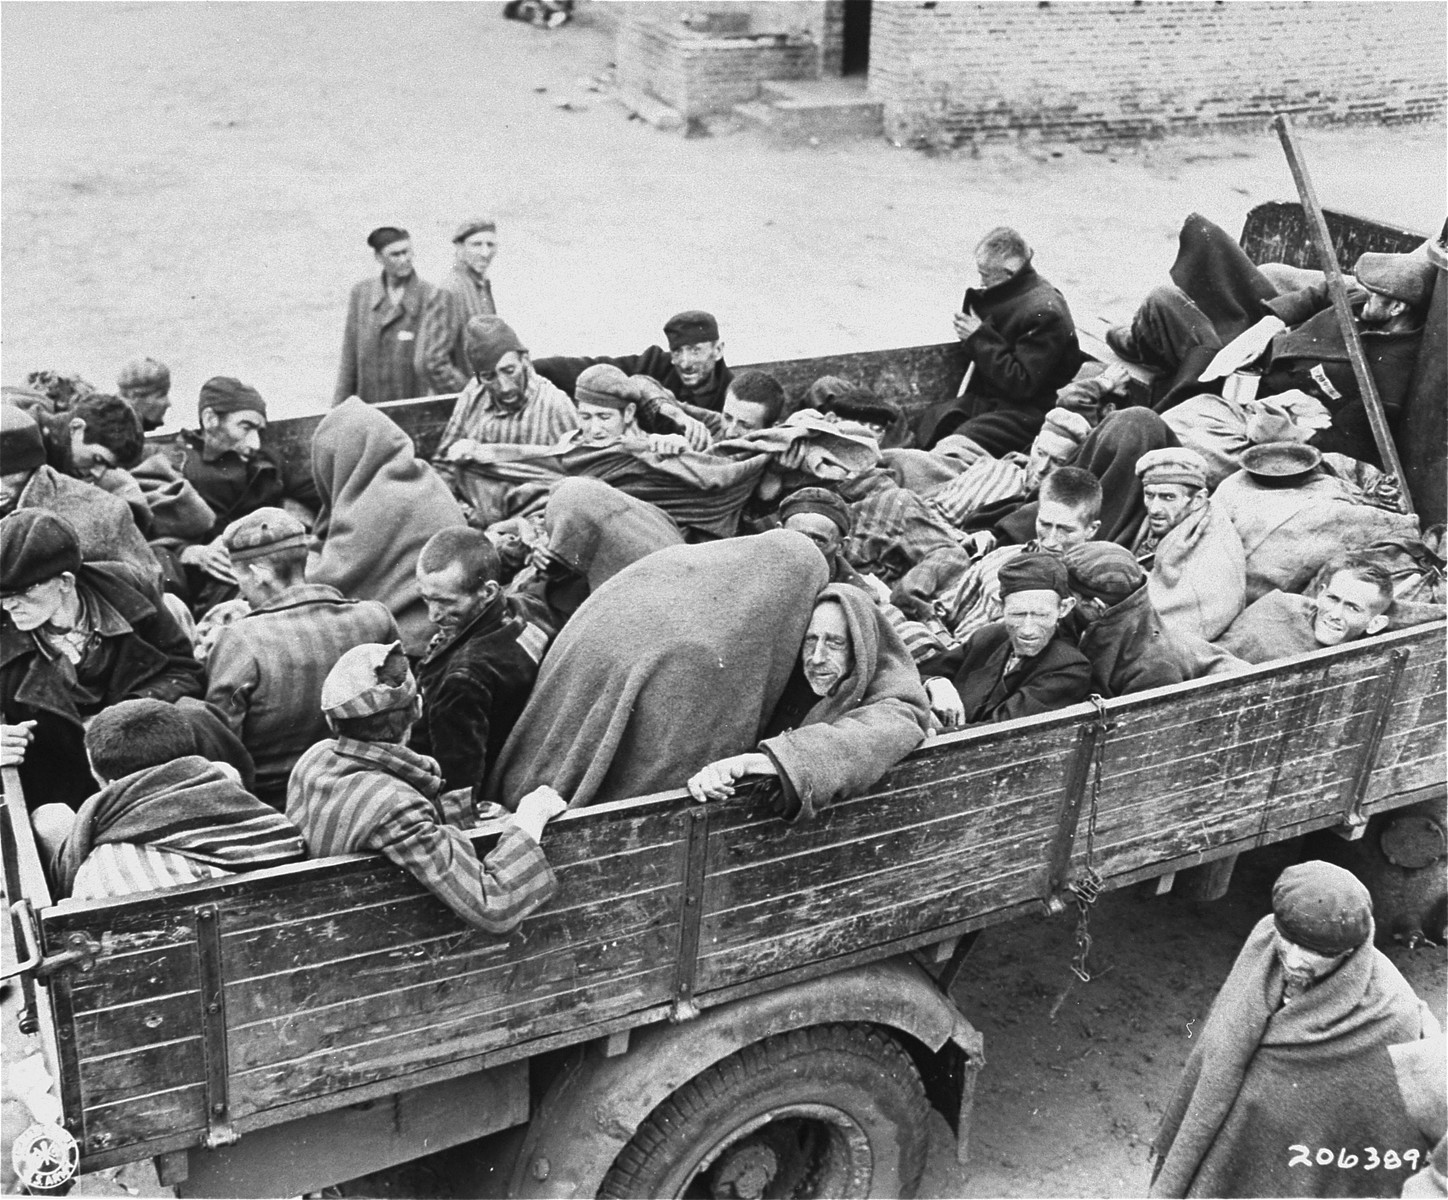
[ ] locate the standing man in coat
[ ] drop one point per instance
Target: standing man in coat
(1293, 1059)
(1021, 341)
(467, 292)
(381, 356)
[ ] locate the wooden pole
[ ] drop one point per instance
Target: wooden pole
(1337, 289)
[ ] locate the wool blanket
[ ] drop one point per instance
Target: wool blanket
(1131, 650)
(1198, 580)
(1289, 534)
(1219, 428)
(191, 807)
(597, 530)
(380, 504)
(1264, 1078)
(876, 715)
(702, 491)
(675, 662)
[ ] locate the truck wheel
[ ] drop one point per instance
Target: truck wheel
(831, 1110)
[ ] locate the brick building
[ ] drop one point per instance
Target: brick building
(949, 72)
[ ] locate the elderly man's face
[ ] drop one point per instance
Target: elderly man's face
(1380, 309)
(1059, 526)
(826, 655)
(1167, 505)
(508, 382)
(696, 362)
(12, 483)
(1047, 453)
(600, 425)
(1347, 608)
(1030, 619)
(237, 432)
(823, 532)
(476, 251)
(396, 260)
(451, 604)
(995, 269)
(32, 607)
(1304, 967)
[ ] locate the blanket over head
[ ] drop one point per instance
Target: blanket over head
(877, 714)
(1198, 582)
(598, 530)
(1289, 534)
(676, 661)
(190, 807)
(1263, 1078)
(380, 504)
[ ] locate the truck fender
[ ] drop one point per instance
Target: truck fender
(596, 1103)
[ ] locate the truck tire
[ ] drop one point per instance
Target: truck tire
(829, 1110)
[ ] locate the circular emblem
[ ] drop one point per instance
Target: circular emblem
(45, 1157)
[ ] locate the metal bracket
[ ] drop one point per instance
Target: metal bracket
(691, 913)
(1352, 819)
(219, 1129)
(81, 949)
(1069, 814)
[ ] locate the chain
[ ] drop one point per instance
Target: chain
(1087, 886)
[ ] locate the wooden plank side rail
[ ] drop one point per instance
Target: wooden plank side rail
(344, 980)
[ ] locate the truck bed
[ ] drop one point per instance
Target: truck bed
(219, 1008)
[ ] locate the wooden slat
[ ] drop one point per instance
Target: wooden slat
(138, 1120)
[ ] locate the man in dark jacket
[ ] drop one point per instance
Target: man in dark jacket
(225, 462)
(692, 367)
(480, 668)
(1017, 667)
(1021, 342)
(382, 357)
(75, 639)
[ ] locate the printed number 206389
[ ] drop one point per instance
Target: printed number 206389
(1369, 1159)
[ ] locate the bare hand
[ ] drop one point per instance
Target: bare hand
(213, 559)
(668, 445)
(14, 741)
(695, 432)
(536, 809)
(464, 450)
(945, 703)
(717, 780)
(966, 323)
(979, 543)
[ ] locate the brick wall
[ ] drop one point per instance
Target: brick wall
(656, 51)
(954, 72)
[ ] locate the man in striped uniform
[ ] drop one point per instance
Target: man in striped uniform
(266, 670)
(479, 669)
(164, 815)
(365, 790)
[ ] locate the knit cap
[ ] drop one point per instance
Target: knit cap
(1322, 908)
(606, 385)
(1033, 572)
(146, 376)
(486, 340)
(821, 501)
(21, 446)
(1173, 464)
(1103, 571)
(35, 545)
(223, 394)
(262, 532)
(474, 225)
(354, 687)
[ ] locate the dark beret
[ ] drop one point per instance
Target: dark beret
(1031, 572)
(1103, 571)
(818, 500)
(35, 545)
(1322, 908)
(686, 328)
(224, 394)
(485, 340)
(22, 448)
(861, 404)
(384, 235)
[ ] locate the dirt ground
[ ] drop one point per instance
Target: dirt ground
(195, 182)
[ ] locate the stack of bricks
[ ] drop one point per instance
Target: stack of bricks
(954, 72)
(702, 58)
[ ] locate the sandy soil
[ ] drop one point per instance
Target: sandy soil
(195, 182)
